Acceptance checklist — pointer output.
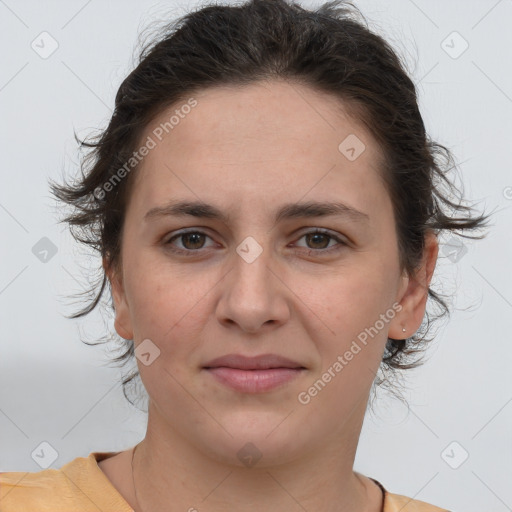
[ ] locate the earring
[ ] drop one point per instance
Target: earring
(403, 329)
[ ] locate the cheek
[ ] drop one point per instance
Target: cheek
(170, 309)
(350, 355)
(351, 308)
(357, 290)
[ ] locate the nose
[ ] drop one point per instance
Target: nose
(254, 294)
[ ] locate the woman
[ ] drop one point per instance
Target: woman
(266, 204)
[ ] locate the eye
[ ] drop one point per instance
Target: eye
(192, 241)
(320, 240)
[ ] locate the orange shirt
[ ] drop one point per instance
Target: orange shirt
(81, 486)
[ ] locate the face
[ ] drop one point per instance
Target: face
(257, 273)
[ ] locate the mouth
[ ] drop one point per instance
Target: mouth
(254, 374)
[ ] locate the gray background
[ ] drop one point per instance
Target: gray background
(55, 389)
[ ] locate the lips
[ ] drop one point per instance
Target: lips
(262, 362)
(253, 374)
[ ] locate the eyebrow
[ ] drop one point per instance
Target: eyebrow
(301, 210)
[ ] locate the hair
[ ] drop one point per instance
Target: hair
(330, 49)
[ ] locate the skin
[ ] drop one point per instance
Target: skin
(248, 151)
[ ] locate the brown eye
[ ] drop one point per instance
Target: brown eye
(318, 242)
(316, 239)
(191, 241)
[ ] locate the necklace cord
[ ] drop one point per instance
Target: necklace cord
(133, 480)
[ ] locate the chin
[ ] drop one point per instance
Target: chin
(255, 442)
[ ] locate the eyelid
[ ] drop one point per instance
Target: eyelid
(324, 231)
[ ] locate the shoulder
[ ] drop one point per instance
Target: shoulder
(397, 502)
(23, 490)
(78, 485)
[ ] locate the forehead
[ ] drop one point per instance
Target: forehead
(276, 113)
(281, 138)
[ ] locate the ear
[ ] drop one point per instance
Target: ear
(122, 321)
(413, 293)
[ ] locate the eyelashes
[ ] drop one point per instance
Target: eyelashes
(183, 235)
(196, 237)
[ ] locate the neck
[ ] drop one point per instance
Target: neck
(169, 469)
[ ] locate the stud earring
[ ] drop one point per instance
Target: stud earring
(403, 329)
